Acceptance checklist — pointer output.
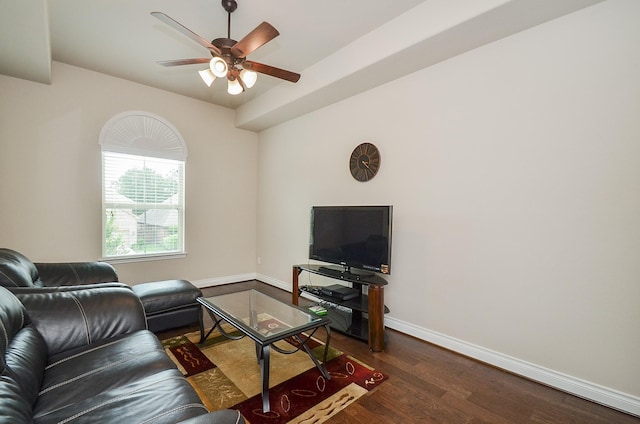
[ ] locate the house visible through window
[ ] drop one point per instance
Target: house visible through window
(143, 187)
(143, 205)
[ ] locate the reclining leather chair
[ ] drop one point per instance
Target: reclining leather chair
(168, 304)
(16, 270)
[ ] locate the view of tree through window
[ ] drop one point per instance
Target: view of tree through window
(135, 184)
(144, 205)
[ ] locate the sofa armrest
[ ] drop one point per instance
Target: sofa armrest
(75, 273)
(70, 319)
(223, 416)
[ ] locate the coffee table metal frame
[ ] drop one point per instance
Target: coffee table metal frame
(218, 311)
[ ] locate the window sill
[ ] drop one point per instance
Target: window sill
(144, 258)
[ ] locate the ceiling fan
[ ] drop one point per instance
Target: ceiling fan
(230, 56)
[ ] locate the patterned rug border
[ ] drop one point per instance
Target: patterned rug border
(291, 401)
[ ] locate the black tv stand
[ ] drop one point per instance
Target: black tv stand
(351, 319)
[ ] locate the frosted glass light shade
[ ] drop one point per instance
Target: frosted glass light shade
(248, 77)
(218, 67)
(234, 87)
(207, 76)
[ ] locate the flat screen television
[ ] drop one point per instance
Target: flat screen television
(352, 236)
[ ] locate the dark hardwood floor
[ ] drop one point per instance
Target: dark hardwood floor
(428, 384)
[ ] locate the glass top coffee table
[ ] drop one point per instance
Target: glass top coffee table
(266, 320)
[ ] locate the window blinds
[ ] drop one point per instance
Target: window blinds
(143, 187)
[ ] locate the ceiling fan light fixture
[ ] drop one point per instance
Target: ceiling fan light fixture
(207, 76)
(229, 55)
(248, 77)
(234, 87)
(218, 67)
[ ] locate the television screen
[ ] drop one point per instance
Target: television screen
(352, 236)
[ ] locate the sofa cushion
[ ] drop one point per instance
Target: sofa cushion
(118, 380)
(83, 317)
(75, 273)
(16, 270)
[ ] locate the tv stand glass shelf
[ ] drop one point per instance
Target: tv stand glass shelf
(361, 317)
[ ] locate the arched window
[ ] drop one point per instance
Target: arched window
(143, 161)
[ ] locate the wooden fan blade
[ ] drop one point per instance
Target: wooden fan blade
(186, 31)
(179, 62)
(271, 70)
(261, 35)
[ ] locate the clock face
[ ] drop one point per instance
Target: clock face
(364, 162)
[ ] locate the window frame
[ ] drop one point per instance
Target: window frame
(148, 138)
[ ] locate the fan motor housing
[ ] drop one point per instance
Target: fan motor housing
(225, 44)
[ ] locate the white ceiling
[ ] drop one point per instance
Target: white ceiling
(341, 47)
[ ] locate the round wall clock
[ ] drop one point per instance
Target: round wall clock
(364, 162)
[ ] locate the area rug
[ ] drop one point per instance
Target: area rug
(226, 374)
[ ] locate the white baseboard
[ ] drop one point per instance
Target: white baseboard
(212, 282)
(575, 386)
(578, 387)
(273, 282)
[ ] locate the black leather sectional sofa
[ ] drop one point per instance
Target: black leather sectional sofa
(168, 304)
(83, 354)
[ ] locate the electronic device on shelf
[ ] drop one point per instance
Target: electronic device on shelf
(340, 292)
(352, 236)
(344, 274)
(336, 291)
(311, 289)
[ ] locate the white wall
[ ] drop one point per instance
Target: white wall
(513, 171)
(50, 174)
